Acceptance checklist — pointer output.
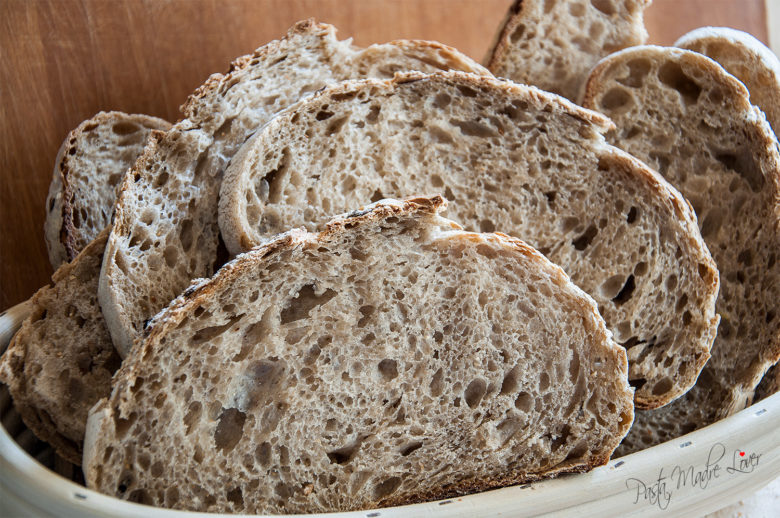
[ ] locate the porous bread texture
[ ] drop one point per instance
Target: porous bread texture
(553, 44)
(165, 231)
(61, 360)
(686, 116)
(391, 358)
(509, 157)
(747, 59)
(88, 171)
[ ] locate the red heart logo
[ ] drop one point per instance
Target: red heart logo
(742, 454)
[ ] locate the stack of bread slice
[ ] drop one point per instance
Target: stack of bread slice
(352, 361)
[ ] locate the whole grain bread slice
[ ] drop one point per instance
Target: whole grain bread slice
(745, 58)
(553, 44)
(61, 360)
(391, 358)
(88, 171)
(687, 117)
(512, 158)
(165, 231)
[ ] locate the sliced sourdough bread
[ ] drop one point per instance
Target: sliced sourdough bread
(165, 231)
(61, 360)
(553, 44)
(691, 120)
(391, 358)
(745, 58)
(88, 172)
(510, 157)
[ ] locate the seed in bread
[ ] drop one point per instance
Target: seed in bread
(165, 230)
(61, 360)
(747, 59)
(686, 116)
(88, 171)
(391, 358)
(553, 44)
(511, 158)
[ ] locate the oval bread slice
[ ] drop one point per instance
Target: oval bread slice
(744, 57)
(509, 157)
(61, 360)
(553, 44)
(165, 230)
(391, 358)
(686, 116)
(88, 173)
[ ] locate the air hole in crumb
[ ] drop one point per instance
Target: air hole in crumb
(373, 113)
(236, 497)
(615, 99)
(626, 292)
(582, 242)
(544, 381)
(275, 178)
(632, 216)
(209, 333)
(517, 34)
(377, 196)
(323, 114)
(509, 385)
(410, 448)
(263, 454)
(487, 226)
(305, 300)
(386, 488)
(474, 128)
(662, 386)
(388, 369)
(474, 392)
(345, 454)
(124, 128)
(672, 75)
(524, 402)
(637, 71)
(436, 383)
(230, 429)
(605, 6)
(637, 383)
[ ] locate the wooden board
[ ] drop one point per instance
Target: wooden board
(61, 61)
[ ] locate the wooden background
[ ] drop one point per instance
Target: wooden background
(61, 61)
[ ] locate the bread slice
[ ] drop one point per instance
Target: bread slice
(391, 358)
(512, 158)
(553, 44)
(165, 231)
(686, 116)
(88, 171)
(61, 360)
(747, 59)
